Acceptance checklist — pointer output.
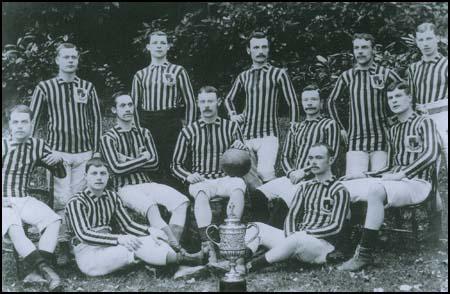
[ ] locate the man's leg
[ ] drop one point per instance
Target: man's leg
(357, 162)
(77, 179)
(378, 160)
(441, 121)
(267, 157)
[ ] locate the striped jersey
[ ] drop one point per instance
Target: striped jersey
(205, 143)
(18, 163)
(162, 87)
(121, 150)
(262, 86)
(86, 213)
(414, 147)
(319, 209)
(428, 80)
(301, 136)
(74, 116)
(367, 91)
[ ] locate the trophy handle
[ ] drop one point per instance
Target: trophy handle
(207, 235)
(257, 232)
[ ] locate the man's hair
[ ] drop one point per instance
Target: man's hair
(118, 94)
(157, 33)
(207, 89)
(311, 87)
(364, 36)
(330, 151)
(65, 46)
(399, 85)
(257, 35)
(95, 161)
(426, 26)
(20, 108)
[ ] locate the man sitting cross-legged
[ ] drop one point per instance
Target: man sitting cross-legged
(413, 150)
(314, 222)
(301, 136)
(20, 154)
(98, 249)
(130, 153)
(205, 141)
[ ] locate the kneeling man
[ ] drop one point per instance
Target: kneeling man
(413, 151)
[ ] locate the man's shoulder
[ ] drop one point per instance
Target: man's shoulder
(111, 133)
(338, 187)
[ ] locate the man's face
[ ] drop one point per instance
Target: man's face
(399, 101)
(207, 102)
(124, 108)
(158, 46)
(318, 159)
(427, 42)
(259, 50)
(20, 125)
(363, 51)
(311, 102)
(67, 60)
(97, 178)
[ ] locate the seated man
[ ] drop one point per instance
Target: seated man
(413, 151)
(98, 249)
(20, 154)
(315, 220)
(300, 138)
(205, 141)
(130, 152)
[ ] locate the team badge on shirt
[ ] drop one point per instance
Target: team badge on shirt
(377, 81)
(413, 143)
(80, 95)
(168, 79)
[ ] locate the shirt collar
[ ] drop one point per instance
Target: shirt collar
(11, 143)
(120, 130)
(165, 64)
(434, 60)
(91, 195)
(327, 182)
(413, 115)
(372, 68)
(317, 119)
(265, 67)
(60, 80)
(203, 122)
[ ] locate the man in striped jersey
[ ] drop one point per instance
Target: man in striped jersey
(315, 220)
(20, 154)
(365, 85)
(74, 123)
(301, 136)
(262, 84)
(413, 151)
(205, 141)
(160, 91)
(130, 152)
(98, 249)
(428, 79)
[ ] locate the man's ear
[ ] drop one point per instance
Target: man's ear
(248, 50)
(147, 47)
(113, 110)
(331, 160)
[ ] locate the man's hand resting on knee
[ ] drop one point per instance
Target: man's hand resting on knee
(132, 243)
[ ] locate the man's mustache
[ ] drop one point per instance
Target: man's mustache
(260, 55)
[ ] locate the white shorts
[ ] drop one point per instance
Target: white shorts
(362, 161)
(140, 197)
(30, 211)
(266, 150)
(221, 187)
(101, 260)
(280, 188)
(399, 193)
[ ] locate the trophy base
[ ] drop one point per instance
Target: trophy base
(239, 285)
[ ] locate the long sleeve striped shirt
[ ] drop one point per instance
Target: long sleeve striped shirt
(162, 87)
(18, 163)
(367, 91)
(261, 87)
(428, 80)
(121, 151)
(302, 136)
(205, 143)
(319, 209)
(74, 116)
(413, 147)
(86, 213)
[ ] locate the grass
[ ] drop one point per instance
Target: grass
(397, 267)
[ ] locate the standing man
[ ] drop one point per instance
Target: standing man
(159, 92)
(414, 149)
(74, 123)
(130, 153)
(365, 84)
(20, 154)
(262, 84)
(428, 80)
(294, 160)
(205, 141)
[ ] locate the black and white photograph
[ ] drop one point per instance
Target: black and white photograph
(224, 147)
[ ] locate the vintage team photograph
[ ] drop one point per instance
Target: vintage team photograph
(224, 147)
